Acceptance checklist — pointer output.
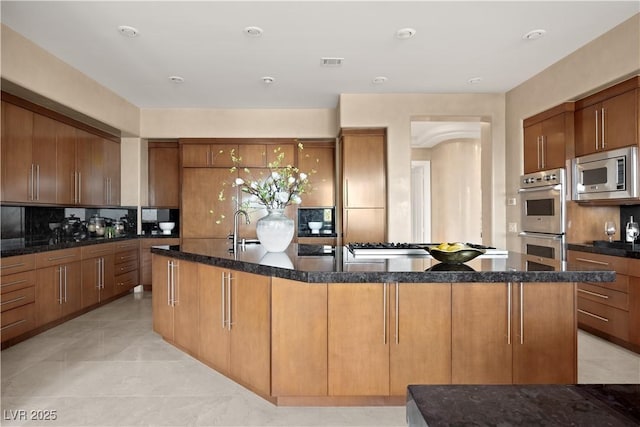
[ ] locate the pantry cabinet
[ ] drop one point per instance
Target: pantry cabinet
(364, 189)
(608, 119)
(546, 136)
(495, 339)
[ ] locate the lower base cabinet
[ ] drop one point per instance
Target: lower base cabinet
(514, 333)
(58, 284)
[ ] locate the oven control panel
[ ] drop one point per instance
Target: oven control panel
(543, 178)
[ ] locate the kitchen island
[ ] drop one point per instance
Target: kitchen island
(316, 325)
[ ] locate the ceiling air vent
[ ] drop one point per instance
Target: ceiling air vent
(332, 62)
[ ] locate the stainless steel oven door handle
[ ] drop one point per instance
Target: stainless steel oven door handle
(540, 235)
(554, 187)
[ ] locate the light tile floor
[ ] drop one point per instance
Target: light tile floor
(108, 368)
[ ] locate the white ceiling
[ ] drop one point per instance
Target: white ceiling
(204, 43)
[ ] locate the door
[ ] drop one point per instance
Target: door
(363, 169)
(161, 296)
(481, 333)
(91, 281)
(213, 300)
(111, 172)
(620, 120)
(66, 173)
(531, 147)
(544, 349)
(44, 158)
(553, 142)
(17, 135)
(420, 325)
(364, 225)
(250, 340)
(72, 288)
(358, 339)
(186, 333)
(164, 176)
(318, 164)
(48, 294)
(587, 129)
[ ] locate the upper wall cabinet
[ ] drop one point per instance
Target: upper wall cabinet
(164, 174)
(49, 161)
(608, 119)
(546, 138)
(224, 153)
(317, 160)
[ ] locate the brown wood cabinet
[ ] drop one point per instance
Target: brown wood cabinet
(58, 284)
(501, 333)
(608, 119)
(364, 183)
(98, 273)
(145, 256)
(214, 305)
(318, 162)
(164, 174)
(546, 136)
(175, 300)
(126, 265)
(17, 296)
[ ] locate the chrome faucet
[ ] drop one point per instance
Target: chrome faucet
(235, 226)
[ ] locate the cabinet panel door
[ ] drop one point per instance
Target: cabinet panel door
(160, 298)
(89, 169)
(17, 135)
(553, 147)
(112, 172)
(364, 225)
(545, 347)
(66, 189)
(586, 129)
(253, 155)
(48, 294)
(72, 288)
(532, 147)
(186, 306)
(164, 177)
(203, 214)
(358, 339)
(621, 120)
(364, 171)
(44, 157)
(108, 277)
(481, 351)
(196, 155)
(251, 330)
(213, 332)
(299, 338)
(420, 325)
(318, 164)
(288, 152)
(91, 281)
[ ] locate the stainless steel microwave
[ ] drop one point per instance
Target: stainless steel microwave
(607, 175)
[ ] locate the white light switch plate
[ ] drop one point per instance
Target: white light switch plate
(513, 227)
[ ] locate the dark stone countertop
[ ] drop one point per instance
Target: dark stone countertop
(617, 248)
(328, 264)
(524, 405)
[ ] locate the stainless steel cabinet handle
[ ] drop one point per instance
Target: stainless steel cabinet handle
(176, 283)
(521, 313)
(595, 294)
(32, 183)
(542, 142)
(79, 187)
(20, 264)
(597, 120)
(229, 320)
(384, 313)
(60, 284)
(538, 151)
(592, 261)
(223, 301)
(602, 131)
(346, 192)
(56, 258)
(98, 272)
(15, 282)
(65, 283)
(397, 313)
(169, 283)
(13, 325)
(509, 285)
(13, 300)
(37, 182)
(604, 319)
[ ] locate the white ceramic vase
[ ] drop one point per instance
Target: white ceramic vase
(275, 230)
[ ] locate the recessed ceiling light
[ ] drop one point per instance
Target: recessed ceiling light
(331, 61)
(405, 33)
(128, 31)
(474, 80)
(268, 80)
(253, 31)
(176, 79)
(534, 34)
(379, 80)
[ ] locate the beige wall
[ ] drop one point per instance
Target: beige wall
(395, 112)
(607, 59)
(31, 67)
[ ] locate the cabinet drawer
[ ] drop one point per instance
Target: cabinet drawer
(127, 257)
(126, 267)
(127, 280)
(604, 296)
(17, 264)
(127, 244)
(17, 281)
(94, 251)
(604, 318)
(11, 300)
(619, 264)
(52, 258)
(17, 321)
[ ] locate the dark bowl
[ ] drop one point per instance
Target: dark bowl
(441, 266)
(459, 256)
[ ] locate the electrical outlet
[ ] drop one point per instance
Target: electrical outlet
(511, 201)
(513, 227)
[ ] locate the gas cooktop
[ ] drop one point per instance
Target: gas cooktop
(415, 249)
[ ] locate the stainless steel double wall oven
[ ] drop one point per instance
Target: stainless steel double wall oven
(543, 210)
